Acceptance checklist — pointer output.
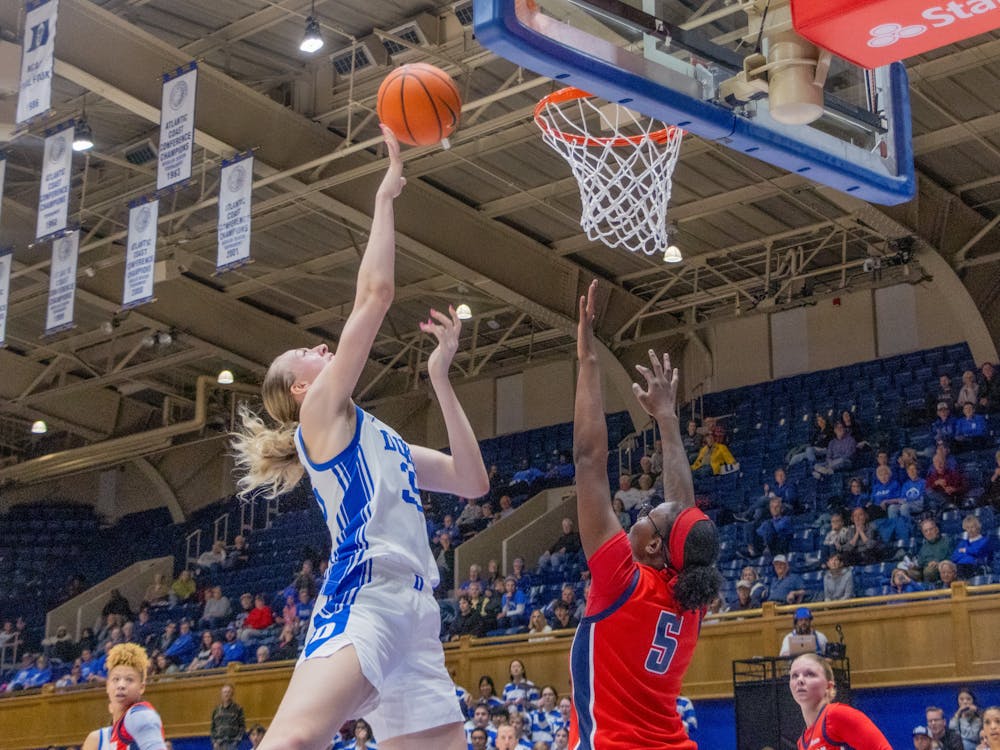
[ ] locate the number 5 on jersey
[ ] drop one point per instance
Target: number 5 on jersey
(661, 653)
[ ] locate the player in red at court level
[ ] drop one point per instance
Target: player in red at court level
(829, 726)
(136, 725)
(649, 589)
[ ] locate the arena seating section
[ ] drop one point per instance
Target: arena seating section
(41, 546)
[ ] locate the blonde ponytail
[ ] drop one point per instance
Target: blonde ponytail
(266, 456)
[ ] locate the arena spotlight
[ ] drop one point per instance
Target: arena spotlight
(463, 311)
(225, 377)
(673, 254)
(312, 41)
(83, 138)
(38, 427)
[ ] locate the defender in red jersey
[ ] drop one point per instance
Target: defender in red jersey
(136, 725)
(829, 726)
(649, 589)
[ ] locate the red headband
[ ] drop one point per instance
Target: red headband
(679, 534)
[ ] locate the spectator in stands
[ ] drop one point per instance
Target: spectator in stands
(506, 507)
(914, 489)
(216, 658)
(933, 550)
(581, 605)
(217, 609)
(853, 428)
(470, 520)
(259, 622)
(901, 583)
(837, 536)
(522, 577)
(943, 428)
(478, 737)
(445, 559)
(524, 477)
(546, 718)
(776, 532)
(969, 392)
(802, 624)
(971, 431)
(239, 555)
(992, 494)
(228, 722)
(656, 458)
(287, 646)
(565, 549)
(631, 497)
(742, 600)
(856, 496)
(967, 721)
(563, 617)
(838, 581)
(233, 649)
(943, 737)
(32, 674)
(691, 440)
(475, 576)
(686, 710)
(183, 589)
(204, 652)
(561, 741)
(645, 488)
(562, 471)
(214, 557)
(304, 606)
(305, 579)
(487, 697)
(989, 388)
(714, 458)
(623, 515)
(118, 605)
(786, 588)
(7, 633)
(263, 654)
(821, 437)
(945, 487)
(168, 636)
(839, 453)
(972, 554)
(758, 591)
(450, 528)
(184, 648)
(886, 495)
(158, 592)
(944, 393)
(863, 545)
(520, 692)
(781, 488)
(538, 625)
(60, 646)
(947, 574)
(512, 615)
(145, 629)
(466, 622)
(489, 517)
(73, 677)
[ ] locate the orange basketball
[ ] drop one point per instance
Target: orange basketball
(420, 103)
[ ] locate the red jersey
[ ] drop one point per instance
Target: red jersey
(121, 738)
(840, 727)
(629, 656)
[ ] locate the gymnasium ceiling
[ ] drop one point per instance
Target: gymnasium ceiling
(492, 222)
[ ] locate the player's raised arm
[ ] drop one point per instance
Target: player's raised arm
(659, 399)
(597, 520)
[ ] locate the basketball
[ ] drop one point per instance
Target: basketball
(420, 103)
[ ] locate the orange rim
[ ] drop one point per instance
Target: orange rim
(569, 94)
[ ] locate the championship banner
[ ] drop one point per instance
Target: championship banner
(62, 283)
(37, 59)
(6, 261)
(235, 187)
(140, 256)
(3, 174)
(177, 126)
(53, 198)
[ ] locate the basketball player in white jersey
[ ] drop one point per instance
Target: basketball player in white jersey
(372, 648)
(99, 739)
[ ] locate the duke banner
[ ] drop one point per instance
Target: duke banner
(177, 126)
(140, 256)
(6, 261)
(62, 283)
(235, 187)
(53, 198)
(37, 58)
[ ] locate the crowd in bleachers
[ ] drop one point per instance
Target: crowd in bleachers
(853, 482)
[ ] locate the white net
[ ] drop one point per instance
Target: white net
(624, 173)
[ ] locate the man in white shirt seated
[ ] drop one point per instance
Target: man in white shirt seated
(803, 637)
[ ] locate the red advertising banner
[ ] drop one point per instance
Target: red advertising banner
(872, 33)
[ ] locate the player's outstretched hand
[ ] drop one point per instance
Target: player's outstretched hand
(446, 330)
(585, 344)
(659, 397)
(393, 182)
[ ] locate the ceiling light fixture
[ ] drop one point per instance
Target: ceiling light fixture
(463, 311)
(83, 139)
(313, 39)
(225, 377)
(673, 254)
(38, 427)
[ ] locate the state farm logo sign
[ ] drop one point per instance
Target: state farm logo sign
(939, 16)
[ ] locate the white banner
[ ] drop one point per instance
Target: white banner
(62, 283)
(6, 261)
(140, 257)
(37, 58)
(177, 126)
(3, 176)
(235, 188)
(53, 197)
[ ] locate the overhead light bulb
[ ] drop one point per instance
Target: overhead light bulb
(83, 139)
(313, 39)
(164, 339)
(673, 254)
(463, 311)
(39, 427)
(225, 377)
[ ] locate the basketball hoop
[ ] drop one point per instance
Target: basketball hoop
(624, 177)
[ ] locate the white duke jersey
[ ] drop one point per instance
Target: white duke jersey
(371, 503)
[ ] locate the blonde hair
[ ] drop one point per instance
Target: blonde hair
(128, 655)
(824, 664)
(266, 456)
